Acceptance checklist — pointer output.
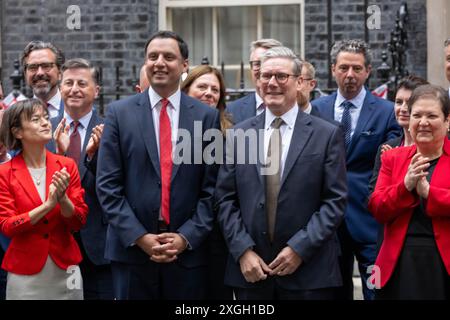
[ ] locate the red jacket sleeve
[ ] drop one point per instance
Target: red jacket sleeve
(438, 202)
(12, 222)
(390, 198)
(76, 194)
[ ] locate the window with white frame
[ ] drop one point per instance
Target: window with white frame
(223, 30)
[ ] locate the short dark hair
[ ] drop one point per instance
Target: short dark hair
(80, 63)
(12, 119)
(411, 82)
(40, 45)
(434, 92)
(165, 34)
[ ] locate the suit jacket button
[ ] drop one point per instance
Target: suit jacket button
(46, 236)
(264, 233)
(261, 205)
(159, 184)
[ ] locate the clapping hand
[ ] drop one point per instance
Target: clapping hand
(94, 140)
(61, 137)
(60, 181)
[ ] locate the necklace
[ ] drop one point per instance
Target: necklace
(37, 179)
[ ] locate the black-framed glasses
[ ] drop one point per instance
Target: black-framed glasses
(280, 77)
(255, 64)
(34, 67)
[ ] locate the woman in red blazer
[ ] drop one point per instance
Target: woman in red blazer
(412, 201)
(41, 205)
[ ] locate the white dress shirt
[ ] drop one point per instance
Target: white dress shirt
(308, 108)
(54, 104)
(259, 101)
(286, 131)
(357, 101)
(173, 111)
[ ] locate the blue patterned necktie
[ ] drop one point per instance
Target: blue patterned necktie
(347, 122)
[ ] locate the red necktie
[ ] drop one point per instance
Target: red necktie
(165, 159)
(74, 149)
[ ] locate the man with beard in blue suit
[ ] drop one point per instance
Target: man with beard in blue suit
(367, 122)
(252, 104)
(41, 63)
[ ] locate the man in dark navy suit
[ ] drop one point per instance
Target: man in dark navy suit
(280, 220)
(160, 211)
(367, 121)
(41, 63)
(77, 134)
(252, 104)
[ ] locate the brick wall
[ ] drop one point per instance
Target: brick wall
(348, 21)
(114, 32)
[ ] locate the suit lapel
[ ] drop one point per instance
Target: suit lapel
(144, 119)
(92, 123)
(300, 136)
(329, 112)
(258, 126)
(364, 116)
(250, 109)
(53, 165)
(186, 122)
(24, 178)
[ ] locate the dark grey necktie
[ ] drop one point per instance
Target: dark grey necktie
(273, 180)
(347, 122)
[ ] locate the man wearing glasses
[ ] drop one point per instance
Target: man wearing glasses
(367, 121)
(307, 85)
(252, 104)
(41, 62)
(280, 218)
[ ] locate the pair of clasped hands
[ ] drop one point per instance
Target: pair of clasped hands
(162, 248)
(416, 176)
(255, 269)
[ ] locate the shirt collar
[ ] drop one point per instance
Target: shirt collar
(84, 120)
(55, 101)
(308, 108)
(155, 98)
(259, 100)
(289, 117)
(357, 101)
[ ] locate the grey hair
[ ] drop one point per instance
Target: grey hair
(447, 43)
(265, 43)
(352, 46)
(311, 71)
(40, 45)
(80, 63)
(284, 52)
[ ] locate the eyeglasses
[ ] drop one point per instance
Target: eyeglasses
(255, 65)
(280, 77)
(34, 67)
(308, 79)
